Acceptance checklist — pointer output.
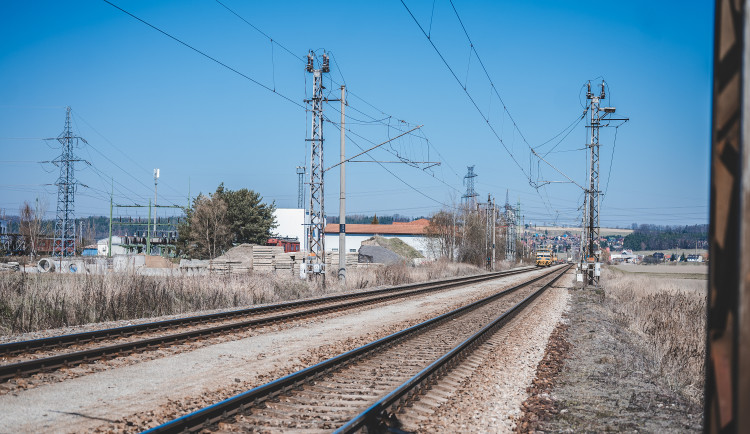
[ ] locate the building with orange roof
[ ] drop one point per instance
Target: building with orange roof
(412, 233)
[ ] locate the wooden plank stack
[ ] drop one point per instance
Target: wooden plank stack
(332, 260)
(264, 257)
(238, 259)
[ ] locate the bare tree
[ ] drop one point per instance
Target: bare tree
(30, 225)
(441, 234)
(209, 229)
(89, 234)
(472, 248)
(462, 234)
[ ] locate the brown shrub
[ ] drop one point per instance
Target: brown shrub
(31, 301)
(670, 316)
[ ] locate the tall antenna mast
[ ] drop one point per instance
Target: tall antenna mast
(470, 197)
(64, 243)
(315, 261)
(301, 187)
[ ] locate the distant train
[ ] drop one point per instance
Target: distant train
(289, 244)
(545, 257)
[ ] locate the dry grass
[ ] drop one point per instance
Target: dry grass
(31, 302)
(670, 316)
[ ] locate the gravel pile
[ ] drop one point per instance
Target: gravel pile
(378, 255)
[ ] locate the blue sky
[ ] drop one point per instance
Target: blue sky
(142, 101)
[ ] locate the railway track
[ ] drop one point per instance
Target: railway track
(86, 347)
(364, 387)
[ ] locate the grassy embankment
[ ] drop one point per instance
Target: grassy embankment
(670, 316)
(31, 302)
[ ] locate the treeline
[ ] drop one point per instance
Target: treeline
(367, 219)
(217, 221)
(654, 237)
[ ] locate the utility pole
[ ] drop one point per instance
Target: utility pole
(64, 243)
(109, 244)
(315, 260)
(148, 230)
(519, 229)
(342, 196)
(156, 181)
(453, 236)
(300, 187)
(592, 248)
(494, 220)
(488, 236)
(581, 248)
(592, 230)
(510, 230)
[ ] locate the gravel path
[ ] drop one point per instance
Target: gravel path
(486, 397)
(137, 396)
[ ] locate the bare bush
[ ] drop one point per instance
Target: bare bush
(670, 316)
(464, 234)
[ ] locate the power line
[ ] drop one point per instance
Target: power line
(532, 183)
(349, 92)
(611, 160)
(528, 177)
(207, 56)
(386, 150)
(396, 176)
(303, 60)
(570, 128)
(78, 115)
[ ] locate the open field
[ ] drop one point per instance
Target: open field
(670, 271)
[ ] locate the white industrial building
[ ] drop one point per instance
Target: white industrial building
(290, 223)
(412, 233)
(102, 246)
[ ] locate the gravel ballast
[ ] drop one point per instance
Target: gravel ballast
(488, 399)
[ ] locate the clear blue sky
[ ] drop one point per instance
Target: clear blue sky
(142, 101)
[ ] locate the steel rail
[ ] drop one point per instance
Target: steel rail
(12, 348)
(45, 364)
(376, 417)
(207, 416)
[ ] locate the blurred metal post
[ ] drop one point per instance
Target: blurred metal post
(727, 397)
(342, 196)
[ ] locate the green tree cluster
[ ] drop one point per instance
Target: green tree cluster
(227, 217)
(651, 237)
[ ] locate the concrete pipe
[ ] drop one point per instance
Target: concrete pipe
(45, 265)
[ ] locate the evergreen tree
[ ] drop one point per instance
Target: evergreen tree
(250, 220)
(374, 220)
(215, 222)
